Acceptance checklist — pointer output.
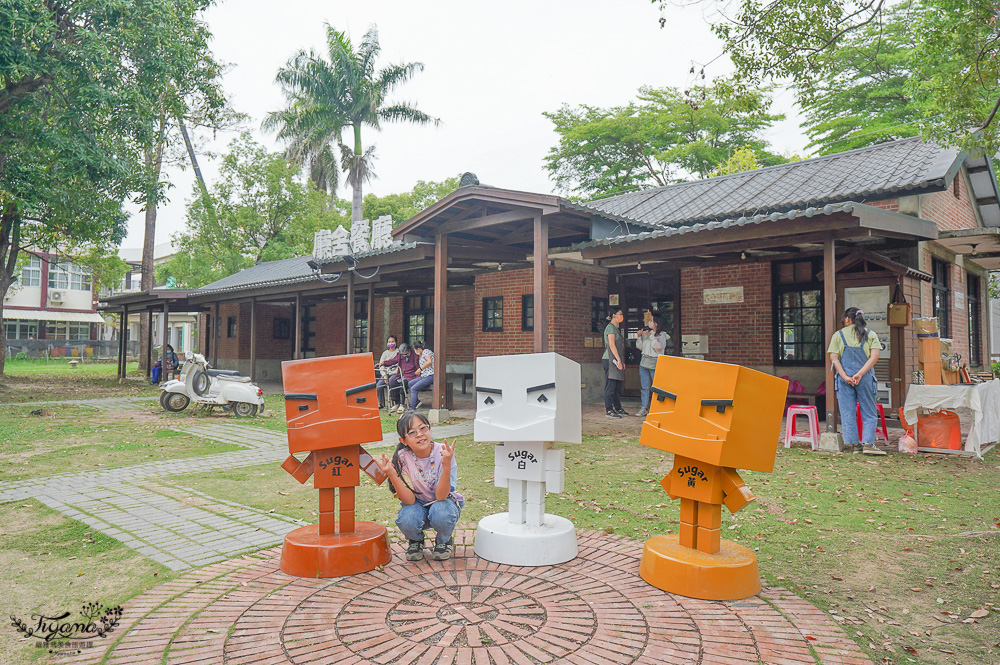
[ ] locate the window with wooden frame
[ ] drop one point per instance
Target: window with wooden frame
(493, 314)
(974, 299)
(282, 328)
(231, 326)
(598, 314)
(798, 312)
(939, 287)
(418, 311)
(528, 311)
(360, 326)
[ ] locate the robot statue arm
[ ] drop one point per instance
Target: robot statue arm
(301, 471)
(736, 494)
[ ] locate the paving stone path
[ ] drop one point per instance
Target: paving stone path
(178, 527)
(592, 610)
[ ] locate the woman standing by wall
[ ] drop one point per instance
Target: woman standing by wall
(651, 343)
(854, 350)
(614, 365)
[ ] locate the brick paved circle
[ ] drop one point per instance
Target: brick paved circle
(466, 611)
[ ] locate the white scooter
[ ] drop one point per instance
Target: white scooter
(201, 384)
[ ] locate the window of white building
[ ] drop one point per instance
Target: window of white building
(31, 273)
(68, 275)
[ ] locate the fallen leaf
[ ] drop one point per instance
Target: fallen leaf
(910, 650)
(979, 614)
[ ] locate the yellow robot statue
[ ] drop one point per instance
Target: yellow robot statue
(715, 418)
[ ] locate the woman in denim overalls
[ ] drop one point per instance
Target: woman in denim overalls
(854, 350)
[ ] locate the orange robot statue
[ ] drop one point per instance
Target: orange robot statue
(715, 418)
(331, 409)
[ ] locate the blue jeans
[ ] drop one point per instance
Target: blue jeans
(646, 378)
(416, 385)
(848, 399)
(442, 516)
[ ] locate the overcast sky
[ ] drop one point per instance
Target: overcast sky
(491, 69)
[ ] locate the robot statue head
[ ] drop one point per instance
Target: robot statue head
(529, 397)
(719, 414)
(330, 402)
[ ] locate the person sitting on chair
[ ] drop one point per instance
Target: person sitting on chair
(425, 373)
(390, 375)
(408, 366)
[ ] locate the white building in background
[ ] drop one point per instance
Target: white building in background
(183, 326)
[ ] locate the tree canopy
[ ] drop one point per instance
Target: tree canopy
(80, 89)
(326, 96)
(663, 137)
(407, 204)
(947, 50)
(262, 212)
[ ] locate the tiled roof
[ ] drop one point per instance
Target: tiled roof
(877, 172)
(285, 271)
(723, 224)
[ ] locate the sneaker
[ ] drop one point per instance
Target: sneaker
(415, 552)
(870, 449)
(441, 551)
(622, 412)
(641, 413)
(612, 414)
(401, 409)
(419, 404)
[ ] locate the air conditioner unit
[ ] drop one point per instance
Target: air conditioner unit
(56, 296)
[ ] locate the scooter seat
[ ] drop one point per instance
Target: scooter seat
(223, 372)
(233, 378)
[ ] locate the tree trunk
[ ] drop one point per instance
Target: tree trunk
(10, 245)
(356, 178)
(153, 159)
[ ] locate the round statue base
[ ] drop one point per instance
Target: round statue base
(729, 574)
(552, 542)
(306, 553)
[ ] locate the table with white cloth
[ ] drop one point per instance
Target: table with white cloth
(982, 399)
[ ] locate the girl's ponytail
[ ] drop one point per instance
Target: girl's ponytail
(858, 317)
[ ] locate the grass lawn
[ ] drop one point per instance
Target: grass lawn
(902, 551)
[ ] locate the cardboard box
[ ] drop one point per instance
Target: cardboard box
(950, 377)
(932, 373)
(929, 349)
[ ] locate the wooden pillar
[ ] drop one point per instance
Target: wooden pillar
(253, 339)
(123, 343)
(541, 291)
(149, 344)
(830, 320)
(164, 337)
(440, 318)
(297, 346)
(350, 313)
(371, 315)
(216, 324)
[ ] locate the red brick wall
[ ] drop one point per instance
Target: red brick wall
(267, 346)
(329, 326)
(570, 292)
(888, 204)
(737, 333)
(460, 334)
(947, 211)
(237, 346)
(569, 312)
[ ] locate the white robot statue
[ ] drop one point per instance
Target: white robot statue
(527, 402)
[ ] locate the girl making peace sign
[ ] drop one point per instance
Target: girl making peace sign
(426, 493)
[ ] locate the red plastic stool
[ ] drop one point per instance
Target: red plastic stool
(881, 414)
(812, 430)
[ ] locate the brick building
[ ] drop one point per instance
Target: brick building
(757, 266)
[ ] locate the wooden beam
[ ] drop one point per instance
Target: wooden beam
(440, 319)
(165, 338)
(483, 222)
(830, 321)
(778, 233)
(554, 232)
(297, 345)
(349, 348)
(216, 325)
(253, 339)
(371, 316)
(123, 344)
(479, 250)
(541, 274)
(691, 251)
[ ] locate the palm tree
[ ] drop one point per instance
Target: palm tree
(325, 97)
